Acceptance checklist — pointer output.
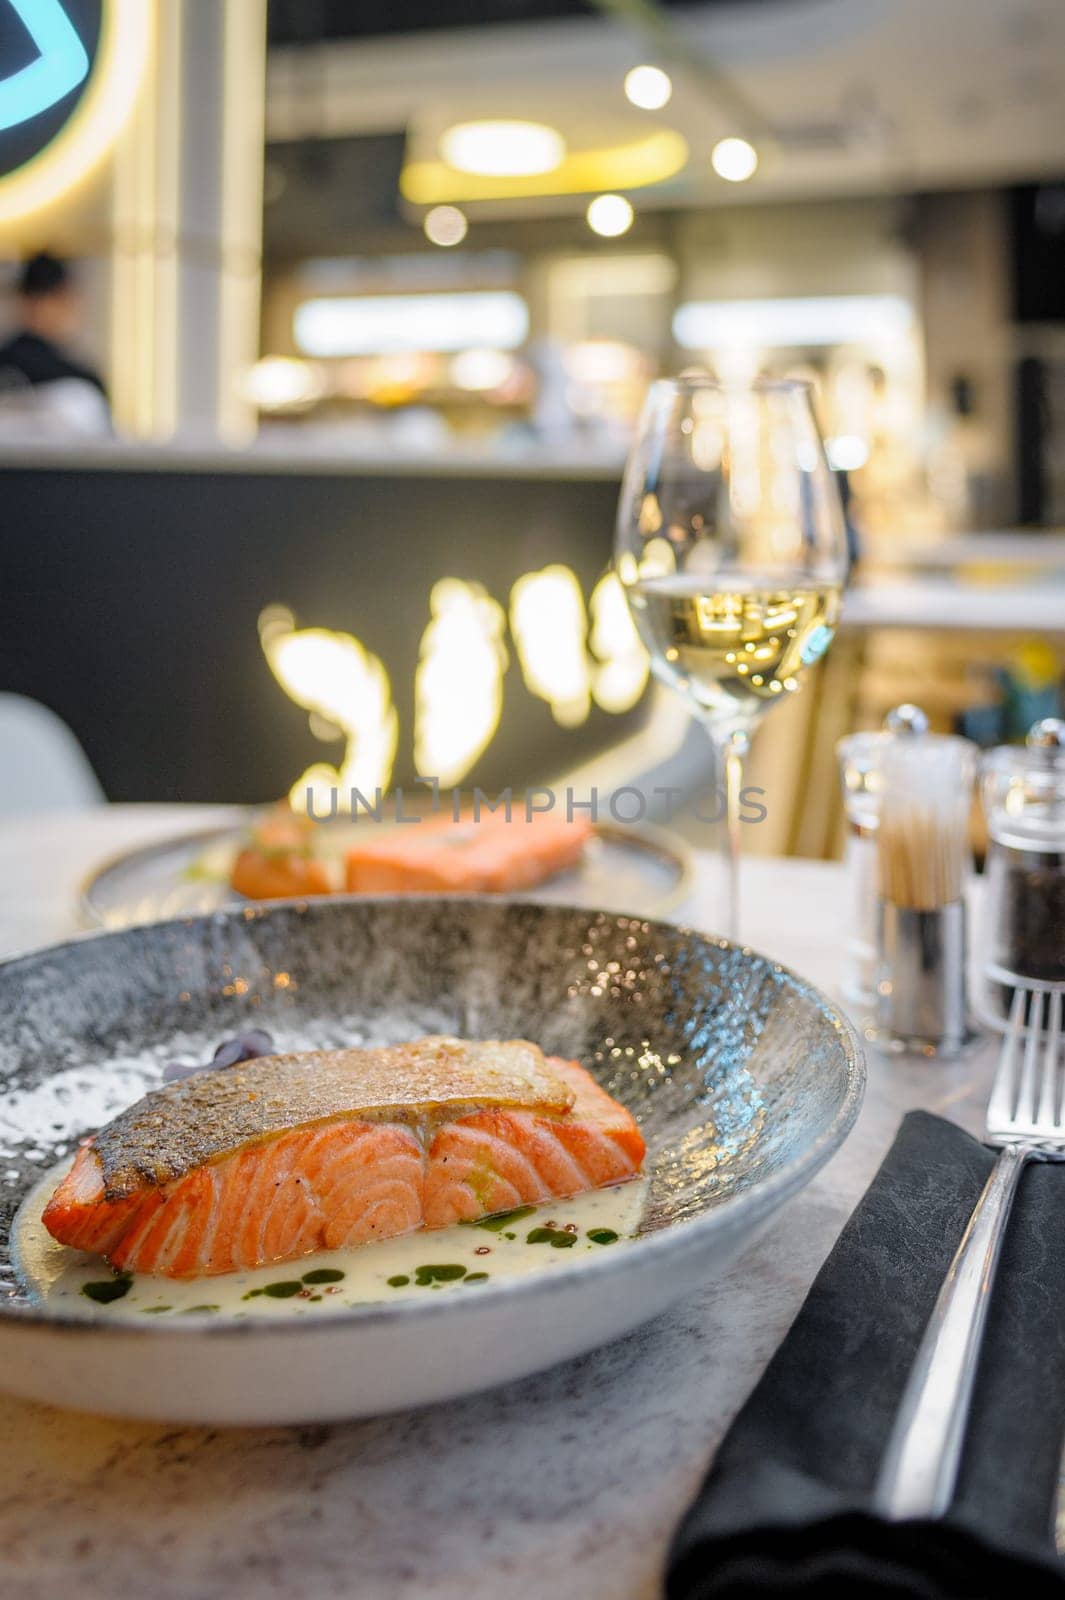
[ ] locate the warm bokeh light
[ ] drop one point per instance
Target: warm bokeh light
(622, 663)
(610, 215)
(445, 226)
(335, 678)
(458, 684)
(371, 325)
(393, 380)
(480, 370)
(549, 625)
(648, 87)
(601, 361)
(653, 158)
(847, 452)
(281, 383)
(807, 320)
(503, 149)
(458, 687)
(735, 160)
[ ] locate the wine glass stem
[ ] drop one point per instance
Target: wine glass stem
(734, 748)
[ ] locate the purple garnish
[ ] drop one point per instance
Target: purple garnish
(230, 1053)
(174, 1070)
(256, 1042)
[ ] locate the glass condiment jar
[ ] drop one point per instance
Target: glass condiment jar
(1022, 940)
(859, 756)
(924, 862)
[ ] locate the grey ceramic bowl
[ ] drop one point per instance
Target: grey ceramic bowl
(744, 1079)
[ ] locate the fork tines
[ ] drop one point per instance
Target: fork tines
(1026, 1100)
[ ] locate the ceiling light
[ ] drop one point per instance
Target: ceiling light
(652, 158)
(445, 225)
(847, 452)
(734, 160)
(503, 149)
(372, 325)
(648, 87)
(815, 319)
(609, 215)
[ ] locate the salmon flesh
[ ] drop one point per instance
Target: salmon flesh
(287, 1155)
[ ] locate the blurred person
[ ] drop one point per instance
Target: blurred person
(36, 364)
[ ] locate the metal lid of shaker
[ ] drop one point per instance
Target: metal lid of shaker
(907, 720)
(1046, 734)
(859, 761)
(1022, 788)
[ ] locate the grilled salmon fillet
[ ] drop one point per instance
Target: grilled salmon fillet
(278, 860)
(489, 855)
(292, 1154)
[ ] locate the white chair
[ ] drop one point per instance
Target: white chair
(42, 765)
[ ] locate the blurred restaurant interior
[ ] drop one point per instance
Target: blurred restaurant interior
(375, 292)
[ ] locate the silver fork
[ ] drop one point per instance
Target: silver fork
(1026, 1120)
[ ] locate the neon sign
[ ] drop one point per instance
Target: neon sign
(61, 65)
(69, 75)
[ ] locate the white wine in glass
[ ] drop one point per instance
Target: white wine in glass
(731, 546)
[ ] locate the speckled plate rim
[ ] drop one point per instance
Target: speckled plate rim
(744, 1210)
(647, 836)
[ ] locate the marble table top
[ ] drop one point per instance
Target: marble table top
(567, 1483)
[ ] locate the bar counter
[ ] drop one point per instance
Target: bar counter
(134, 581)
(138, 575)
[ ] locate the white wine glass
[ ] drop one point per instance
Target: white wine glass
(732, 549)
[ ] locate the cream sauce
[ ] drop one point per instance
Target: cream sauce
(393, 1269)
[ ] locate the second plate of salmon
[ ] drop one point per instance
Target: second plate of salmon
(305, 1162)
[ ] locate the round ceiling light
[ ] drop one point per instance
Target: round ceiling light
(735, 160)
(610, 215)
(503, 149)
(445, 226)
(648, 87)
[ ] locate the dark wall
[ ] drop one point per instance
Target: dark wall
(129, 602)
(1037, 238)
(307, 21)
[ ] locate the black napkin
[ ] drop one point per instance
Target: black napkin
(786, 1506)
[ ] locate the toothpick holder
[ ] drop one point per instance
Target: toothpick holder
(920, 1004)
(923, 862)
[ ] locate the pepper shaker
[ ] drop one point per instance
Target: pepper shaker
(1022, 929)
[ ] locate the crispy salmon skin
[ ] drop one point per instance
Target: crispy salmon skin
(293, 1154)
